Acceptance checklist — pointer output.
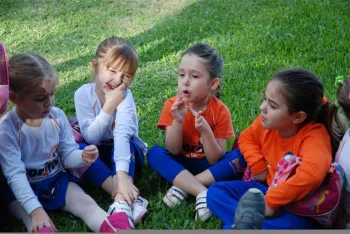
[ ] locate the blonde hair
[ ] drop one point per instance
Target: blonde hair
(28, 71)
(117, 53)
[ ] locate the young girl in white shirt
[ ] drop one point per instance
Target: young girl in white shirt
(107, 117)
(36, 145)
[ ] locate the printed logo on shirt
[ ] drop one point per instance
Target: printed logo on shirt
(50, 168)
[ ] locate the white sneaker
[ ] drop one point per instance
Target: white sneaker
(139, 209)
(202, 211)
(121, 206)
(174, 196)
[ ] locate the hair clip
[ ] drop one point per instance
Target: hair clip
(324, 101)
(339, 80)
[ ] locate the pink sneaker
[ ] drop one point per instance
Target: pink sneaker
(115, 222)
(122, 206)
(45, 229)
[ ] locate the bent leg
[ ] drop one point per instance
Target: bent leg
(83, 206)
(223, 197)
(230, 167)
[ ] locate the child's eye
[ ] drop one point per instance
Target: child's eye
(181, 74)
(195, 76)
(39, 100)
(53, 94)
(272, 106)
(112, 71)
(127, 77)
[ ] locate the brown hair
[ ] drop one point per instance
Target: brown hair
(211, 58)
(303, 91)
(117, 52)
(28, 71)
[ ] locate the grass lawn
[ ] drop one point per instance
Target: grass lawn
(255, 38)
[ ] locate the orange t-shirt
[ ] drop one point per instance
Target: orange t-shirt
(263, 148)
(216, 114)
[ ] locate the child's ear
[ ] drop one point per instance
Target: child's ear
(214, 83)
(299, 117)
(94, 65)
(13, 97)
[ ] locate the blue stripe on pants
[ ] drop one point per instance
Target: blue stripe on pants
(169, 166)
(223, 197)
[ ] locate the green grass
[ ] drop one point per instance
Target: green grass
(255, 38)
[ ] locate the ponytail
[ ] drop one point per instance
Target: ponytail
(335, 124)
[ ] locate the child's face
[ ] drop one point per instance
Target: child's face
(37, 104)
(194, 82)
(274, 109)
(110, 78)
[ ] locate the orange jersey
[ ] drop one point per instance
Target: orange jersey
(216, 114)
(263, 148)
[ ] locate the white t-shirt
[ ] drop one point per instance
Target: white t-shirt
(96, 125)
(32, 154)
(343, 158)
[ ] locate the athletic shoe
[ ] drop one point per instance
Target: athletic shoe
(250, 210)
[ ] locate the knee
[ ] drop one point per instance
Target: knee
(154, 153)
(237, 156)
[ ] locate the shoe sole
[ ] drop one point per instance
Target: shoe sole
(205, 217)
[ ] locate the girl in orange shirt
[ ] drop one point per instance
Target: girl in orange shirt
(294, 118)
(197, 125)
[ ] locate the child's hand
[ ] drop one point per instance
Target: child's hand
(262, 176)
(179, 109)
(125, 187)
(40, 219)
(200, 123)
(114, 98)
(268, 211)
(90, 154)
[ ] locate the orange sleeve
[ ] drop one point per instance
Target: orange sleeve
(166, 118)
(250, 143)
(224, 128)
(316, 154)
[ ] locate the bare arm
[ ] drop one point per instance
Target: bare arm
(174, 133)
(174, 137)
(214, 148)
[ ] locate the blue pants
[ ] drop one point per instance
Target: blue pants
(51, 192)
(98, 172)
(223, 197)
(169, 166)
